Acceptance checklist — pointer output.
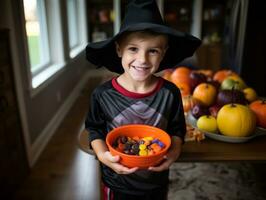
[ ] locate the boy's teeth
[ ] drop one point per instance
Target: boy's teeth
(140, 68)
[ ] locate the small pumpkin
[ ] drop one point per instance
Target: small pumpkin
(205, 94)
(181, 75)
(236, 120)
(259, 108)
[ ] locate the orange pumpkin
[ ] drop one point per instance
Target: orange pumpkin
(259, 108)
(222, 74)
(205, 94)
(181, 75)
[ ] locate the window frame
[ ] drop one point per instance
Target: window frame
(81, 32)
(44, 57)
(72, 19)
(60, 53)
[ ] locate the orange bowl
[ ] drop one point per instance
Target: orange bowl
(141, 131)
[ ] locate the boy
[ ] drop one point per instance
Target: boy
(143, 47)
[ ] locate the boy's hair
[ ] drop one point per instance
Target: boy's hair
(144, 32)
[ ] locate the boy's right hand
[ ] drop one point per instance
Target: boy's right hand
(113, 162)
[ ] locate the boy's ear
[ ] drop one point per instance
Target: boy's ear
(118, 50)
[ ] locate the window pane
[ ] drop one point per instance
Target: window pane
(72, 22)
(36, 28)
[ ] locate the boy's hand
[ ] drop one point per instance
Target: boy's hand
(106, 158)
(113, 163)
(171, 156)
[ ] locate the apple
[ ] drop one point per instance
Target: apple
(230, 96)
(198, 110)
(207, 123)
(238, 79)
(196, 78)
(230, 83)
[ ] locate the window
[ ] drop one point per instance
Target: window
(76, 26)
(72, 23)
(46, 35)
(36, 28)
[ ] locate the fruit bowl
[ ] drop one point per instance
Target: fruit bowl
(217, 136)
(141, 131)
(260, 130)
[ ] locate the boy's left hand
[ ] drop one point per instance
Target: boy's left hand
(171, 156)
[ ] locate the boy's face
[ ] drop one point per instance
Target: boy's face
(141, 54)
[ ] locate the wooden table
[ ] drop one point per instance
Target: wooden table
(212, 150)
(208, 150)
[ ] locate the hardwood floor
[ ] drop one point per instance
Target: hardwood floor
(64, 172)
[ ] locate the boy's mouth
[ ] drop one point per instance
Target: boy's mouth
(141, 69)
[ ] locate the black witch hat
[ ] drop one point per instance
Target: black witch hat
(143, 15)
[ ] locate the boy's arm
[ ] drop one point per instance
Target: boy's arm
(177, 130)
(101, 150)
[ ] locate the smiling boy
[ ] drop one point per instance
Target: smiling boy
(143, 47)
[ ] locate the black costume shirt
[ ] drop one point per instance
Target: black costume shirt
(112, 106)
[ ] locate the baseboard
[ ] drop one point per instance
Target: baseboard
(41, 142)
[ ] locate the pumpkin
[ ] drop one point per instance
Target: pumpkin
(222, 74)
(181, 75)
(205, 94)
(188, 102)
(259, 108)
(236, 120)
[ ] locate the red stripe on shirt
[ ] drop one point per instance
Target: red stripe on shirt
(107, 193)
(127, 93)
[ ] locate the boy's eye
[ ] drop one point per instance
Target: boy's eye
(154, 51)
(133, 49)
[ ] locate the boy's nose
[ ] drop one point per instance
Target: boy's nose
(142, 57)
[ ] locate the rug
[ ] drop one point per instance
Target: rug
(214, 181)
